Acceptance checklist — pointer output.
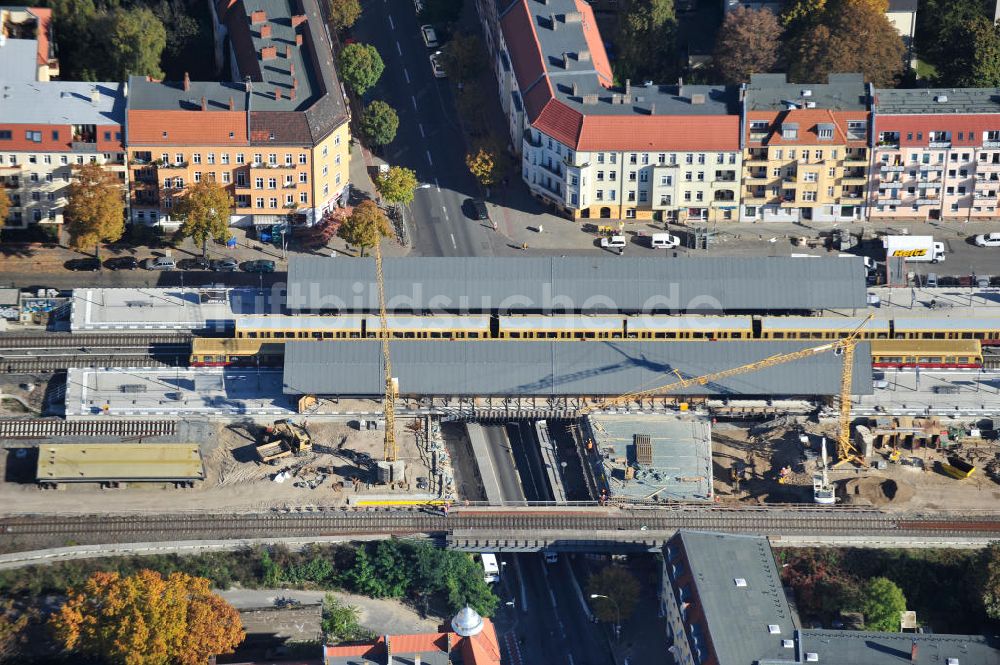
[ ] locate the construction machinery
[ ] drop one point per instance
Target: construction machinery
(844, 347)
(282, 439)
(389, 401)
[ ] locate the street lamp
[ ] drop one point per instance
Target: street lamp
(618, 613)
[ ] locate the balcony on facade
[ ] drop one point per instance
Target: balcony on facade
(554, 168)
(532, 141)
(789, 181)
(757, 157)
(888, 140)
(891, 168)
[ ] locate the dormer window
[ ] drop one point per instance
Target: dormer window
(825, 131)
(790, 131)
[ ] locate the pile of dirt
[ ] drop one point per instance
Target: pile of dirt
(877, 491)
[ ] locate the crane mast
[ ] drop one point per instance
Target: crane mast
(389, 402)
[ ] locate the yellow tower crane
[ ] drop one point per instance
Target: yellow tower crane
(844, 346)
(389, 402)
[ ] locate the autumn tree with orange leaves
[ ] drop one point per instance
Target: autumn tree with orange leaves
(146, 619)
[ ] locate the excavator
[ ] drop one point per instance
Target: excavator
(281, 439)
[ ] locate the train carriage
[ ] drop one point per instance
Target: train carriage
(561, 327)
(282, 327)
(429, 327)
(929, 354)
(985, 329)
(218, 352)
(689, 327)
(821, 327)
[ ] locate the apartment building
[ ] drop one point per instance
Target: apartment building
(591, 149)
(27, 46)
(806, 149)
(277, 140)
(723, 600)
(937, 154)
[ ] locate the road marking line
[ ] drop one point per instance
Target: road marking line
(453, 244)
(414, 100)
(421, 128)
(445, 213)
(392, 25)
(398, 49)
(406, 75)
(429, 160)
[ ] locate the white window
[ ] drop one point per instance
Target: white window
(302, 158)
(239, 158)
(224, 158)
(288, 159)
(303, 197)
(196, 158)
(197, 176)
(272, 158)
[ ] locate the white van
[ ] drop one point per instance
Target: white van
(614, 242)
(491, 569)
(664, 241)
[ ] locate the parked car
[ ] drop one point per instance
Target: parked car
(225, 264)
(613, 242)
(260, 265)
(988, 240)
(476, 209)
(664, 241)
(437, 65)
(196, 263)
(77, 265)
(430, 36)
(160, 263)
(122, 263)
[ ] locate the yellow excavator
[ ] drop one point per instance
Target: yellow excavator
(844, 347)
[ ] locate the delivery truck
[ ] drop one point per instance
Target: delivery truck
(913, 248)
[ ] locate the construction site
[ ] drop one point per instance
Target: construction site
(551, 380)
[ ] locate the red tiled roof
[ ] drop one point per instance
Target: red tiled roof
(551, 116)
(44, 19)
(482, 649)
(595, 44)
(660, 132)
(187, 127)
(971, 126)
(526, 56)
(369, 651)
(418, 643)
(808, 121)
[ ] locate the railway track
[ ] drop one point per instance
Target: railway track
(39, 428)
(90, 360)
(30, 531)
(78, 340)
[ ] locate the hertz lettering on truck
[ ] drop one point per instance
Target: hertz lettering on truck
(906, 253)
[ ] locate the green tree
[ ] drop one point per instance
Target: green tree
(646, 40)
(397, 185)
(942, 34)
(850, 36)
(360, 67)
(974, 61)
(137, 39)
(183, 30)
(465, 58)
(75, 22)
(379, 123)
(747, 43)
(344, 13)
(881, 603)
(618, 584)
(340, 621)
(205, 208)
(95, 208)
(12, 625)
(991, 583)
(366, 226)
(392, 569)
(483, 165)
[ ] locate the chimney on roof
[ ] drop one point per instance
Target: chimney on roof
(298, 39)
(388, 651)
(288, 50)
(573, 17)
(583, 56)
(269, 53)
(259, 16)
(295, 83)
(204, 103)
(277, 93)
(95, 96)
(232, 103)
(652, 108)
(697, 99)
(628, 87)
(447, 643)
(565, 60)
(552, 20)
(265, 31)
(187, 81)
(680, 81)
(913, 651)
(589, 99)
(291, 94)
(298, 20)
(291, 68)
(416, 659)
(573, 88)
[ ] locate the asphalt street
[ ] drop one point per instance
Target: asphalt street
(524, 446)
(430, 139)
(548, 615)
(502, 463)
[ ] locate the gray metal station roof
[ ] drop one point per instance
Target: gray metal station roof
(547, 284)
(504, 368)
